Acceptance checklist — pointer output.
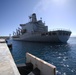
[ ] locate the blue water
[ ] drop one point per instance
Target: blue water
(63, 56)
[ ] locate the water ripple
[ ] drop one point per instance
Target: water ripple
(63, 56)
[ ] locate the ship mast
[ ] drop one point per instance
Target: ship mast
(34, 19)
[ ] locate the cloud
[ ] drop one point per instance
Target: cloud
(42, 5)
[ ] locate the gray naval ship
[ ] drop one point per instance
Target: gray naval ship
(37, 31)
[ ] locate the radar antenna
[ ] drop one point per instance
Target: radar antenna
(30, 18)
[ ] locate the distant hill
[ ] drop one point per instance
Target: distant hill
(4, 37)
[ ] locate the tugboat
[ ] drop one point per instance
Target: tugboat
(37, 31)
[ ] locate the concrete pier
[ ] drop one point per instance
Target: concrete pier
(7, 65)
(44, 67)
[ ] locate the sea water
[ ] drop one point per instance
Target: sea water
(63, 56)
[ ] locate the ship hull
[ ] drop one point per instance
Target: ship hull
(46, 38)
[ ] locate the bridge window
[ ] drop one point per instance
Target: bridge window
(42, 34)
(49, 33)
(54, 33)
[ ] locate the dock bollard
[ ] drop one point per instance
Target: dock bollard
(10, 46)
(9, 43)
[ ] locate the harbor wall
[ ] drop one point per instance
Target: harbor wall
(7, 64)
(44, 67)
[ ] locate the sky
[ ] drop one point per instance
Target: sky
(57, 14)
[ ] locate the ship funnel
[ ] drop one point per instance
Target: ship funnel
(34, 19)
